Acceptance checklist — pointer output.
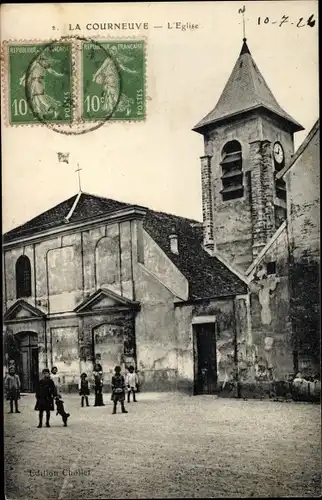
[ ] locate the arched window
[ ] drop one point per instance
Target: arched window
(23, 277)
(232, 171)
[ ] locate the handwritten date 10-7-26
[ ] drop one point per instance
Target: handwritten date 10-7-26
(301, 23)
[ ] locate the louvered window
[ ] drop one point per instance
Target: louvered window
(23, 277)
(232, 171)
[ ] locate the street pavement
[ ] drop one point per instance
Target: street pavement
(168, 445)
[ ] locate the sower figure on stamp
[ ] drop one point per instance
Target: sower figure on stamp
(12, 388)
(45, 393)
(43, 104)
(118, 389)
(84, 389)
(108, 76)
(131, 382)
(98, 380)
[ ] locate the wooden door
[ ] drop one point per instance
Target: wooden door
(25, 369)
(206, 363)
(28, 369)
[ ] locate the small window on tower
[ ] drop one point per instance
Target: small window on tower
(279, 163)
(271, 268)
(232, 171)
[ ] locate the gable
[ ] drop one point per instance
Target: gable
(104, 299)
(105, 302)
(23, 310)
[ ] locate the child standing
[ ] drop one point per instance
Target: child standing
(84, 387)
(118, 389)
(131, 381)
(12, 388)
(61, 410)
(55, 378)
(45, 393)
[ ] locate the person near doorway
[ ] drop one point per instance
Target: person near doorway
(84, 389)
(98, 385)
(131, 382)
(45, 394)
(12, 388)
(118, 389)
(55, 378)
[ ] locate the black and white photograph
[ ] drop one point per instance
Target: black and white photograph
(161, 250)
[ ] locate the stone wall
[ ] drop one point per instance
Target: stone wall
(303, 186)
(207, 202)
(270, 313)
(68, 268)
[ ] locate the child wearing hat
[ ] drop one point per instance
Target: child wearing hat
(84, 389)
(118, 389)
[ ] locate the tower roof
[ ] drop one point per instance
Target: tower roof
(245, 90)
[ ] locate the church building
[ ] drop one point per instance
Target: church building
(191, 305)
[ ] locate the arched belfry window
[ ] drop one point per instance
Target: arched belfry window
(23, 277)
(232, 171)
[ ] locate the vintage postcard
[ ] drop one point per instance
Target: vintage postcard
(161, 250)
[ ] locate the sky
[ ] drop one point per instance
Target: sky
(156, 163)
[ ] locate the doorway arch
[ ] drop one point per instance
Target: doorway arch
(28, 361)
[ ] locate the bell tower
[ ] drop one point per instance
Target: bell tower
(248, 138)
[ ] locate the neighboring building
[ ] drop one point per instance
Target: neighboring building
(302, 178)
(190, 304)
(284, 279)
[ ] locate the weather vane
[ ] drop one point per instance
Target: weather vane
(242, 11)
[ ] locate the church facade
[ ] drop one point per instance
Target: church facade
(193, 306)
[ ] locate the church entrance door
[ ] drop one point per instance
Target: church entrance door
(205, 358)
(28, 365)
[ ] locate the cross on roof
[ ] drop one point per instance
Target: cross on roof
(78, 170)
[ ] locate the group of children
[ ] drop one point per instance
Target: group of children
(48, 391)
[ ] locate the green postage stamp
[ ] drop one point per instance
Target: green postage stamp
(74, 81)
(40, 83)
(113, 75)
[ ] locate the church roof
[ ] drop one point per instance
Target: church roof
(207, 276)
(246, 90)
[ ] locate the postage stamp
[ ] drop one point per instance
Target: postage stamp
(113, 80)
(74, 85)
(39, 83)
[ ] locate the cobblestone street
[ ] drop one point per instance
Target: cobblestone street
(167, 446)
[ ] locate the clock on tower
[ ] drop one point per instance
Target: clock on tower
(278, 153)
